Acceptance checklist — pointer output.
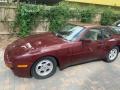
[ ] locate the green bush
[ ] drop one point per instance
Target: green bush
(58, 16)
(87, 14)
(106, 17)
(28, 16)
(116, 17)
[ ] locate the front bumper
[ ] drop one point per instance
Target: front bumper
(21, 72)
(8, 63)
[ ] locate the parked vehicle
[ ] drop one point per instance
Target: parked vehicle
(117, 23)
(116, 29)
(40, 55)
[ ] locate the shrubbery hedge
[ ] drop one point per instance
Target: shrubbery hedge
(57, 16)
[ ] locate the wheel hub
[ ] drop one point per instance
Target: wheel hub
(113, 54)
(44, 67)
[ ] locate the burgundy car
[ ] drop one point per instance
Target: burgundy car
(40, 55)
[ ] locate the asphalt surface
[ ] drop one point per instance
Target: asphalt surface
(97, 75)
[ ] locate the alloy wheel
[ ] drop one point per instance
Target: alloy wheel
(44, 67)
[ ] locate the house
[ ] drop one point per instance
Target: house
(99, 2)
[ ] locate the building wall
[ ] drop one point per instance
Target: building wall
(100, 2)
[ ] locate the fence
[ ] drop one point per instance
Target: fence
(7, 17)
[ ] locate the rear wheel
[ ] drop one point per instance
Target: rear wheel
(112, 55)
(44, 68)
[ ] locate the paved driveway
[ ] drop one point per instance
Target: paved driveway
(90, 76)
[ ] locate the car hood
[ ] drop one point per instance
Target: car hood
(36, 41)
(33, 42)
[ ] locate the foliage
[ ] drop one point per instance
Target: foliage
(58, 16)
(106, 17)
(76, 13)
(28, 16)
(116, 17)
(87, 14)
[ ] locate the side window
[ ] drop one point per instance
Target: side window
(107, 33)
(93, 34)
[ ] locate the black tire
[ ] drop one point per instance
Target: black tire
(108, 57)
(36, 75)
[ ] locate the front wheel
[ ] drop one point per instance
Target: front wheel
(112, 55)
(44, 68)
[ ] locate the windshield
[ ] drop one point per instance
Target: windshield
(70, 32)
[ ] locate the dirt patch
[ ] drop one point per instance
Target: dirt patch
(6, 39)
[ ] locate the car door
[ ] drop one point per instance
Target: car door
(109, 39)
(86, 51)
